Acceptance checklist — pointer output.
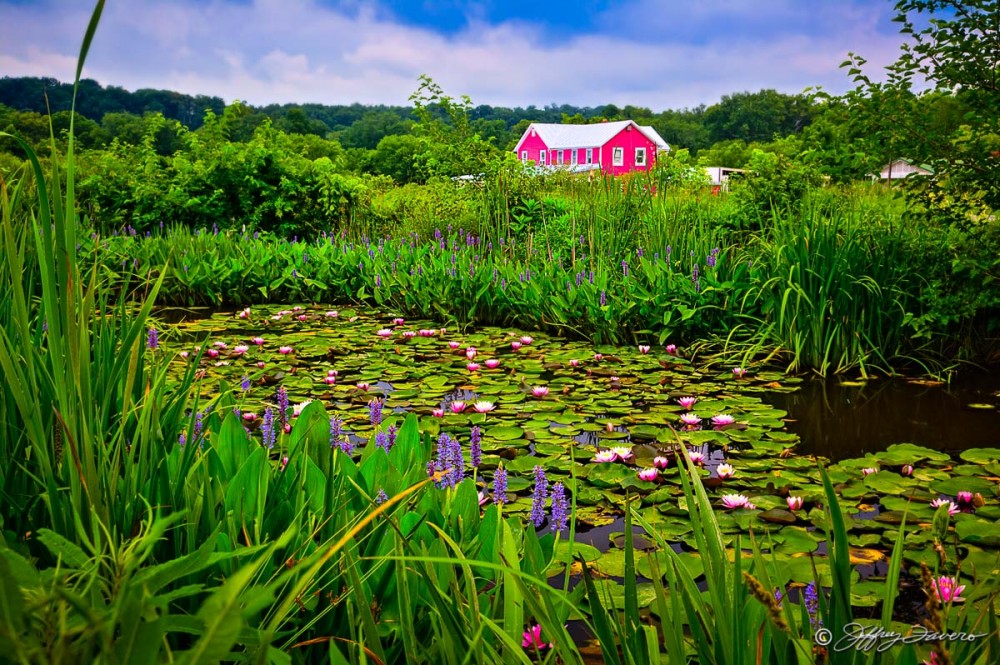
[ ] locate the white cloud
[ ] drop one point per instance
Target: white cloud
(275, 51)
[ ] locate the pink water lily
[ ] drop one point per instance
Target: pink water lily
(426, 332)
(948, 590)
(184, 354)
(259, 341)
(301, 317)
(212, 353)
(661, 462)
(649, 475)
(285, 350)
(332, 314)
(222, 363)
(687, 402)
(722, 420)
(438, 413)
(671, 349)
(610, 426)
(472, 367)
(952, 508)
(532, 638)
(484, 406)
(331, 372)
(297, 308)
(739, 372)
(732, 501)
(598, 357)
(409, 334)
(644, 349)
(399, 321)
(794, 502)
(574, 363)
(492, 363)
(454, 345)
(515, 345)
(240, 349)
(691, 419)
(540, 391)
(329, 380)
(697, 457)
(471, 352)
(364, 385)
(297, 408)
(260, 363)
(623, 452)
(457, 407)
(526, 339)
(725, 471)
(276, 317)
(867, 471)
(604, 456)
(249, 417)
(907, 470)
(220, 345)
(964, 497)
(384, 333)
(244, 313)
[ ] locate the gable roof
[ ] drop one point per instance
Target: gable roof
(557, 136)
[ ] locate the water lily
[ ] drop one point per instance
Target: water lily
(472, 367)
(697, 457)
(398, 321)
(259, 341)
(484, 406)
(952, 508)
(184, 354)
(276, 317)
(426, 333)
(691, 419)
(332, 314)
(297, 308)
(331, 372)
(457, 407)
(598, 357)
(907, 470)
(470, 352)
(249, 417)
(240, 349)
(492, 363)
(244, 313)
(364, 385)
(219, 345)
(438, 413)
(297, 408)
(644, 349)
(671, 349)
(301, 317)
(867, 471)
(260, 363)
(732, 501)
(604, 456)
(948, 590)
(722, 420)
(285, 350)
(212, 353)
(384, 333)
(526, 340)
(574, 363)
(540, 391)
(649, 475)
(515, 345)
(610, 426)
(794, 502)
(532, 638)
(739, 372)
(454, 345)
(329, 380)
(725, 471)
(964, 497)
(409, 334)
(687, 402)
(661, 462)
(623, 452)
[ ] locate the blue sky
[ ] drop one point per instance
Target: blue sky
(655, 53)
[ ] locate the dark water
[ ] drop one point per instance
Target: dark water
(843, 421)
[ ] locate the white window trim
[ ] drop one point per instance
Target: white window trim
(524, 156)
(541, 158)
(618, 156)
(590, 155)
(573, 156)
(638, 152)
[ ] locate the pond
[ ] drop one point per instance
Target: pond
(593, 418)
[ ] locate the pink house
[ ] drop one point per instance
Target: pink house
(613, 147)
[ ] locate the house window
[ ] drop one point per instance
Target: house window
(572, 158)
(640, 156)
(541, 158)
(590, 155)
(524, 156)
(618, 157)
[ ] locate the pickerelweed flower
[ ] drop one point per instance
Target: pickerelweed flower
(267, 432)
(604, 299)
(457, 407)
(532, 639)
(245, 383)
(381, 497)
(281, 397)
(649, 474)
(383, 442)
(812, 605)
(375, 412)
(560, 508)
(622, 452)
(661, 462)
(722, 420)
(952, 508)
(732, 501)
(948, 590)
(181, 439)
(725, 471)
(538, 496)
(475, 447)
(492, 363)
(483, 406)
(153, 339)
(794, 502)
(500, 486)
(644, 349)
(540, 391)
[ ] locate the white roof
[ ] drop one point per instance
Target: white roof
(557, 136)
